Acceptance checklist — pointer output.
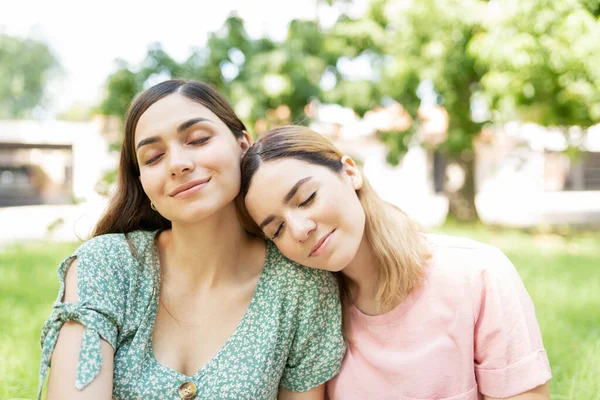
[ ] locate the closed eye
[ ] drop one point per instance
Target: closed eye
(153, 159)
(200, 141)
(278, 231)
(309, 200)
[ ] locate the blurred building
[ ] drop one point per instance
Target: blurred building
(48, 174)
(415, 185)
(525, 176)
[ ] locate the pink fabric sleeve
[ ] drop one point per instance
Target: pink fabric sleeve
(509, 354)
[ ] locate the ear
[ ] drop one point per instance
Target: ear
(245, 141)
(351, 171)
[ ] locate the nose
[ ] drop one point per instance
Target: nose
(301, 227)
(179, 162)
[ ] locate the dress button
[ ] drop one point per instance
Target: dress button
(187, 391)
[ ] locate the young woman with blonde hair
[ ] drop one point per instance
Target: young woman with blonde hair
(426, 316)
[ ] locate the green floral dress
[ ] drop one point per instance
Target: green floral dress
(290, 335)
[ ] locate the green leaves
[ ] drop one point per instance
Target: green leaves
(26, 67)
(542, 59)
(532, 60)
(256, 75)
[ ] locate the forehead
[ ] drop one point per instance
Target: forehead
(274, 179)
(167, 113)
(271, 182)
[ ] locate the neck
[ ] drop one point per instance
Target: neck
(362, 276)
(207, 253)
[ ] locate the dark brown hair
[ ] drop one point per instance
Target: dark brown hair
(129, 207)
(397, 243)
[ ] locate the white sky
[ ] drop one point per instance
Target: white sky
(88, 36)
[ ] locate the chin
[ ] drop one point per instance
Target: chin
(335, 264)
(194, 215)
(336, 268)
(325, 267)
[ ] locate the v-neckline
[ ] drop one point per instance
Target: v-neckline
(155, 300)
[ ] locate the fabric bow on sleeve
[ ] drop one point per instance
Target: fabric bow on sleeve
(96, 325)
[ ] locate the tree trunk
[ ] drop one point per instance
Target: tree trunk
(461, 198)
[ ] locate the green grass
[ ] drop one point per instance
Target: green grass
(562, 274)
(28, 287)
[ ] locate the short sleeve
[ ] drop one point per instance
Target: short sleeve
(101, 289)
(318, 346)
(509, 354)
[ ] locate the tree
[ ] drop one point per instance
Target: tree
(542, 62)
(257, 76)
(26, 67)
(410, 43)
(219, 63)
(127, 81)
(530, 60)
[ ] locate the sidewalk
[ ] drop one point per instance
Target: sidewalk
(58, 223)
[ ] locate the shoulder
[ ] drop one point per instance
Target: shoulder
(461, 266)
(116, 245)
(111, 257)
(103, 245)
(459, 263)
(298, 278)
(464, 256)
(453, 243)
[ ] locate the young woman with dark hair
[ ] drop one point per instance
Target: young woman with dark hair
(172, 298)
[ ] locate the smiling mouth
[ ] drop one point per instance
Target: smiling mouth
(320, 243)
(186, 188)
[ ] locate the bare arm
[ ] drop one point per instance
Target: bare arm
(539, 393)
(61, 383)
(317, 393)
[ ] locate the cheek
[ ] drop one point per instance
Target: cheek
(356, 216)
(291, 250)
(331, 208)
(285, 249)
(227, 167)
(345, 208)
(222, 156)
(150, 181)
(224, 160)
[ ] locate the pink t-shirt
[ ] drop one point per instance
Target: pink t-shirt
(469, 330)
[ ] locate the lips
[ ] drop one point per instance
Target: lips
(186, 186)
(320, 243)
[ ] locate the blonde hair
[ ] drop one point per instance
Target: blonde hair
(396, 241)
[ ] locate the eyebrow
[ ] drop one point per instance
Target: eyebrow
(267, 221)
(293, 190)
(191, 122)
(286, 200)
(181, 128)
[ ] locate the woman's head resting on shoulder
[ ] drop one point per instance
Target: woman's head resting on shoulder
(180, 158)
(301, 193)
(312, 201)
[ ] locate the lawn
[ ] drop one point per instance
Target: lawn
(561, 273)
